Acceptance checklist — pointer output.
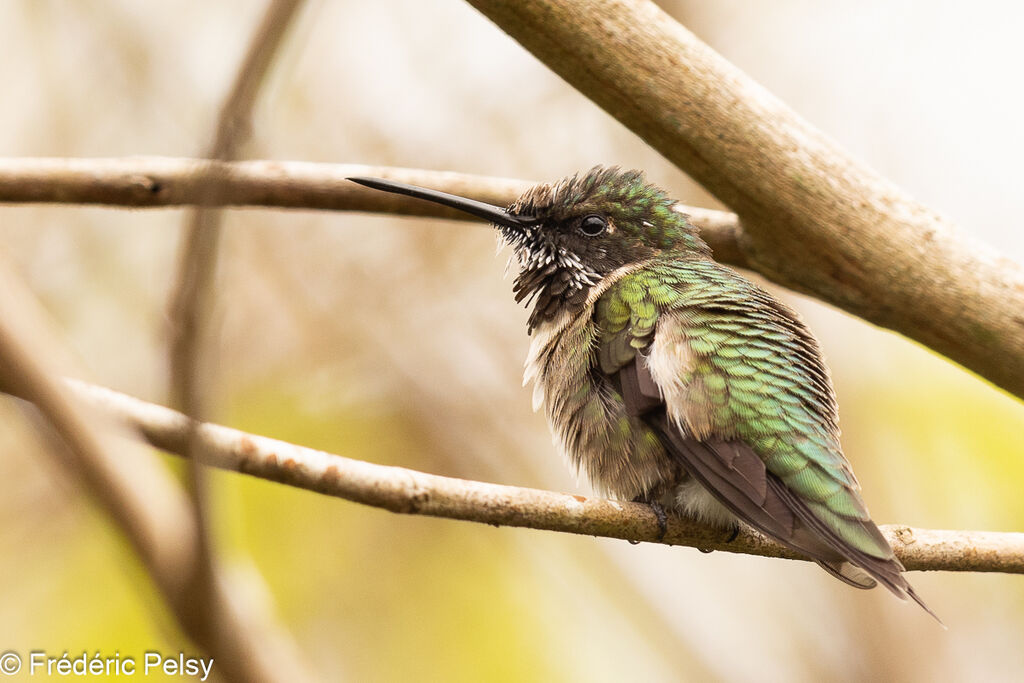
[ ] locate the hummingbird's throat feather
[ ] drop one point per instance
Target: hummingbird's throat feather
(551, 277)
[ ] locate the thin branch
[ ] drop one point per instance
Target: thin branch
(814, 218)
(407, 491)
(191, 303)
(190, 298)
(153, 182)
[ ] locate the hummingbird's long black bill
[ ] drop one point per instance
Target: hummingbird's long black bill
(488, 212)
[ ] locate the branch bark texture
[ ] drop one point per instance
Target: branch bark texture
(407, 491)
(814, 218)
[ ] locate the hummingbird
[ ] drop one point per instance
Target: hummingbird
(672, 380)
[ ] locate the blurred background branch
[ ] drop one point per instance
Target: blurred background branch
(190, 307)
(191, 297)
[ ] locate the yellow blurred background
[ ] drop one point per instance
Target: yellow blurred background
(397, 341)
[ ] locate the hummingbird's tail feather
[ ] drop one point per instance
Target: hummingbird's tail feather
(917, 598)
(850, 574)
(734, 474)
(886, 570)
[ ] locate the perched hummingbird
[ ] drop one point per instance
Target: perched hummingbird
(672, 380)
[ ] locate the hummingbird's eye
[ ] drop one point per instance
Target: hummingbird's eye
(593, 225)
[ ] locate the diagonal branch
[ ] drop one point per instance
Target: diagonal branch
(141, 497)
(407, 491)
(814, 218)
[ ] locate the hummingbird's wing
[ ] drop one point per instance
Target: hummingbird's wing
(735, 387)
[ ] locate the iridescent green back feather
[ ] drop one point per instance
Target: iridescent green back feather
(756, 373)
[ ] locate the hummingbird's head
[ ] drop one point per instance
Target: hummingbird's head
(570, 234)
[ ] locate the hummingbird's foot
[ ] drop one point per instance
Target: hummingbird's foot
(734, 534)
(659, 512)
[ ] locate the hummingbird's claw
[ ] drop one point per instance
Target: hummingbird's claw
(659, 512)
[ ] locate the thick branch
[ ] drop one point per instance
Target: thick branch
(814, 218)
(145, 182)
(407, 491)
